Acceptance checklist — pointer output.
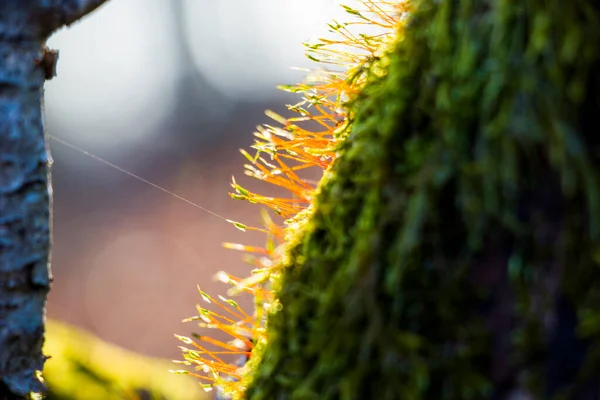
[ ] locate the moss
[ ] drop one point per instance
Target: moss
(84, 368)
(464, 201)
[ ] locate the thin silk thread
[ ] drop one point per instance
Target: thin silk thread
(102, 160)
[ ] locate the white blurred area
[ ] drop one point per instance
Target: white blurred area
(115, 67)
(168, 90)
(248, 46)
(119, 69)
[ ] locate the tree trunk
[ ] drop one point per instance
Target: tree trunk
(454, 251)
(25, 192)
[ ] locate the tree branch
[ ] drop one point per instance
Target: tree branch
(25, 192)
(65, 12)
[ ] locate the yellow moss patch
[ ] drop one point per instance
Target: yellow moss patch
(83, 367)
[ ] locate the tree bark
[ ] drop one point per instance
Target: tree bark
(25, 191)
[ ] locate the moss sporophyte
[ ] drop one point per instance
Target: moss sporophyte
(282, 154)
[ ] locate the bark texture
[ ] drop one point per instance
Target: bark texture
(25, 192)
(453, 252)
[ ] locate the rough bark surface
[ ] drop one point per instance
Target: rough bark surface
(25, 192)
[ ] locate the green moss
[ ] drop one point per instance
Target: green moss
(82, 367)
(464, 201)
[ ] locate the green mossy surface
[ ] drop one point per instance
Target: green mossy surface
(83, 367)
(465, 200)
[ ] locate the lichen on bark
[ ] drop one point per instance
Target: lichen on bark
(453, 248)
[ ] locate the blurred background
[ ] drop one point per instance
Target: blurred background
(168, 90)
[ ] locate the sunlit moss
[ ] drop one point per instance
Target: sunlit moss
(462, 179)
(471, 143)
(282, 155)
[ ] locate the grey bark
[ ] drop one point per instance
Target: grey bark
(25, 191)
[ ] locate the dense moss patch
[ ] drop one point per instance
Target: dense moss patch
(453, 249)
